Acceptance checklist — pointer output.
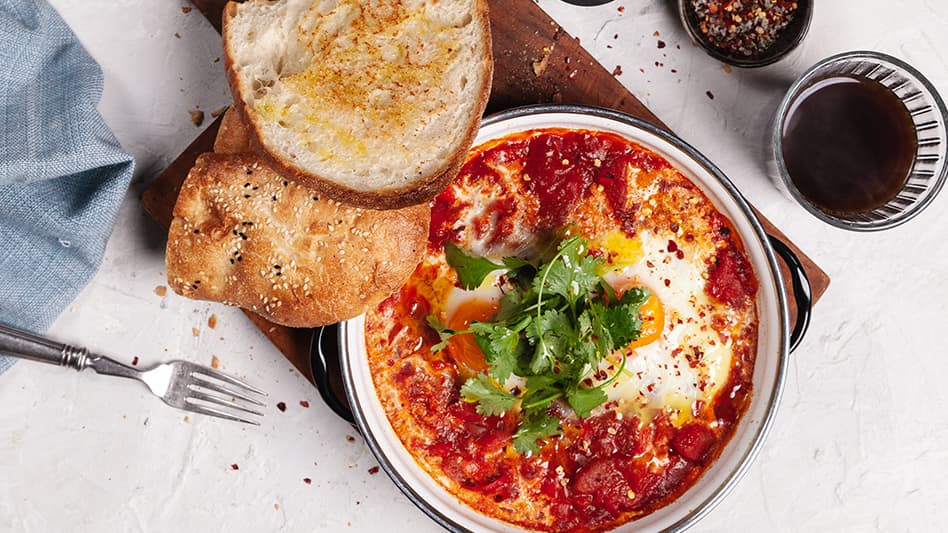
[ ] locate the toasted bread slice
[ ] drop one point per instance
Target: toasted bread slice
(373, 103)
(244, 235)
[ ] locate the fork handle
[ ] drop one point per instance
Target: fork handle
(26, 345)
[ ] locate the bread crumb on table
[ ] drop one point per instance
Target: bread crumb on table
(161, 291)
(197, 117)
(195, 332)
(212, 321)
(215, 362)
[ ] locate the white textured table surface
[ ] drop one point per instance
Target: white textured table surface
(859, 442)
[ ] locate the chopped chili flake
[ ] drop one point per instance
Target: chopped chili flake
(743, 27)
(304, 403)
(281, 406)
(617, 71)
(710, 94)
(234, 467)
(307, 480)
(374, 470)
(661, 44)
(135, 361)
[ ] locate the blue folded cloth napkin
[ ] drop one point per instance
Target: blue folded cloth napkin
(63, 174)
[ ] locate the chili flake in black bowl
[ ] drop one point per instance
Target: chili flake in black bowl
(747, 33)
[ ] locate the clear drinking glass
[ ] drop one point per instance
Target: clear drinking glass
(928, 113)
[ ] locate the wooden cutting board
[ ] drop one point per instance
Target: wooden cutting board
(535, 61)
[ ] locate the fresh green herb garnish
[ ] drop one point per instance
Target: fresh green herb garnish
(556, 322)
(471, 269)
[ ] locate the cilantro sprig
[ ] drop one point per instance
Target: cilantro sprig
(556, 322)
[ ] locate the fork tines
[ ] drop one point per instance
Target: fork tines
(214, 393)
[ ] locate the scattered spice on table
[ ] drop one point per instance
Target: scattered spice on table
(617, 71)
(212, 321)
(135, 361)
(185, 9)
(350, 438)
(234, 467)
(661, 44)
(161, 291)
(307, 480)
(304, 403)
(215, 362)
(374, 470)
(195, 332)
(743, 27)
(281, 406)
(710, 94)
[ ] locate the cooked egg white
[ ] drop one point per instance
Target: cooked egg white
(689, 361)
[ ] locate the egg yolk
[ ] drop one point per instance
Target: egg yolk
(463, 348)
(653, 321)
(652, 313)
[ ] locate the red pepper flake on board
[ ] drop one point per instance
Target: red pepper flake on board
(234, 467)
(617, 71)
(304, 403)
(135, 361)
(281, 406)
(350, 438)
(374, 470)
(661, 44)
(743, 27)
(307, 480)
(710, 94)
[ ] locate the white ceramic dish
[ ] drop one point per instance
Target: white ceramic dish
(774, 341)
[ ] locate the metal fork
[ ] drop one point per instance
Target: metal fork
(180, 384)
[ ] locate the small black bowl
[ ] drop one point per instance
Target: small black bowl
(789, 37)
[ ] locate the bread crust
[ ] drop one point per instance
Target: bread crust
(414, 193)
(244, 235)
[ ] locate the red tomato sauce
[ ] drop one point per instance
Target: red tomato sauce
(600, 471)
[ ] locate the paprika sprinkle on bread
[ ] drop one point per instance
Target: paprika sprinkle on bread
(372, 103)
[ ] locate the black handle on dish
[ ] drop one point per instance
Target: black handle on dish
(324, 360)
(801, 290)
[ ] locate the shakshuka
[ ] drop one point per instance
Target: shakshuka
(577, 346)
